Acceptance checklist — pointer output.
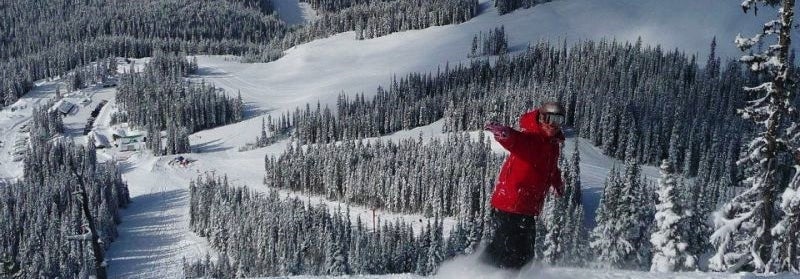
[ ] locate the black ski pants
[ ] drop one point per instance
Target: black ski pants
(513, 243)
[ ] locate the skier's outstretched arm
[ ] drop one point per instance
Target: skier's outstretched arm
(514, 141)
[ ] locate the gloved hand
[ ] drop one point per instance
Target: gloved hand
(499, 131)
(553, 132)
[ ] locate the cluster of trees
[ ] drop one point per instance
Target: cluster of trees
(332, 6)
(159, 98)
(59, 217)
(507, 6)
(264, 235)
(45, 124)
(494, 42)
(269, 133)
(103, 71)
(621, 238)
(433, 177)
(647, 227)
(43, 39)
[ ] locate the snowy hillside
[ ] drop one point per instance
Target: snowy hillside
(155, 237)
(321, 69)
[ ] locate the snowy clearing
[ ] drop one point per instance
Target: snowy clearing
(293, 12)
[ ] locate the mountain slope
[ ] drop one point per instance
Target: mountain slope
(320, 70)
(155, 236)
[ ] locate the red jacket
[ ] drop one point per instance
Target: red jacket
(530, 170)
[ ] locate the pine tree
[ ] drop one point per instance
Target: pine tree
(608, 241)
(635, 214)
(787, 232)
(669, 247)
(554, 238)
(576, 239)
(743, 235)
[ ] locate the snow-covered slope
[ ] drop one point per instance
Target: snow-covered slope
(12, 120)
(155, 234)
(321, 69)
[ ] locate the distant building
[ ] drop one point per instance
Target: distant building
(65, 107)
(100, 141)
(128, 142)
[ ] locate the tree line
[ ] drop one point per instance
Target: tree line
(493, 42)
(434, 177)
(507, 6)
(265, 235)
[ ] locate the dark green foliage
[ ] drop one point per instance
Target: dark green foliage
(267, 235)
(507, 6)
(494, 42)
(445, 178)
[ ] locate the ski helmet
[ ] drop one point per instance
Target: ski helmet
(552, 113)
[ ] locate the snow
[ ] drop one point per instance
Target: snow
(155, 235)
(293, 12)
(13, 118)
(471, 267)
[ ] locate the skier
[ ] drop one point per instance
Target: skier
(527, 174)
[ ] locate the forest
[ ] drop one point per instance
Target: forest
(450, 180)
(46, 39)
(52, 232)
(159, 98)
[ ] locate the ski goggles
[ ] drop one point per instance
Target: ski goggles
(552, 119)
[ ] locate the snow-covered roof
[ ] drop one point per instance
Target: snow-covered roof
(101, 140)
(65, 107)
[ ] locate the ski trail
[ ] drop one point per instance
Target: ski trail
(154, 236)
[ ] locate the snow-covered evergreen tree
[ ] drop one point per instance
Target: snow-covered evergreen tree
(743, 235)
(554, 219)
(577, 239)
(669, 246)
(565, 238)
(621, 237)
(787, 232)
(608, 241)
